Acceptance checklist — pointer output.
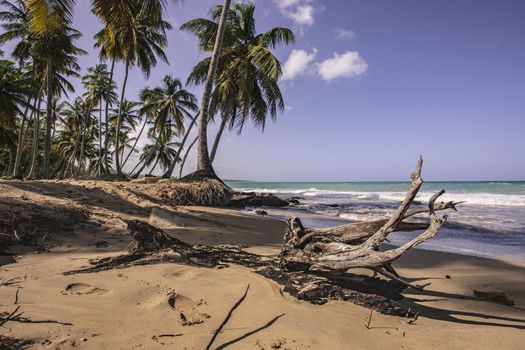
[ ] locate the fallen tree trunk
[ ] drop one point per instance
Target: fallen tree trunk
(313, 264)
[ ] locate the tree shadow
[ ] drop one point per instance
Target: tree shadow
(246, 335)
(79, 194)
(442, 314)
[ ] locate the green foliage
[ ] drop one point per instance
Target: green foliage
(246, 86)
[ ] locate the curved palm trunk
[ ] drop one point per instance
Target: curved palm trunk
(154, 166)
(106, 139)
(33, 171)
(20, 142)
(135, 168)
(204, 164)
(49, 120)
(169, 172)
(145, 164)
(186, 156)
(218, 138)
(137, 174)
(119, 122)
(136, 141)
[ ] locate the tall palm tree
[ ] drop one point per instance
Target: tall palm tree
(166, 107)
(15, 19)
(169, 104)
(204, 165)
(15, 90)
(58, 53)
(248, 72)
(137, 30)
(130, 117)
(99, 87)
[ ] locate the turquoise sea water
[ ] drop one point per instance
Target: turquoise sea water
(490, 222)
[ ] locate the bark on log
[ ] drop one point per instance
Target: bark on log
(344, 248)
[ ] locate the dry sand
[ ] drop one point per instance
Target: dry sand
(132, 308)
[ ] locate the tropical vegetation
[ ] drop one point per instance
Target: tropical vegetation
(49, 130)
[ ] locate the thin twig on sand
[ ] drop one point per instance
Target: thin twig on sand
(225, 321)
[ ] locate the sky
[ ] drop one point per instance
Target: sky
(369, 85)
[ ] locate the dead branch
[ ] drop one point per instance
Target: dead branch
(227, 318)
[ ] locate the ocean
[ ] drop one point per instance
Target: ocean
(490, 222)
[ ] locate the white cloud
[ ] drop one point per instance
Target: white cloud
(348, 64)
(299, 11)
(345, 34)
(298, 63)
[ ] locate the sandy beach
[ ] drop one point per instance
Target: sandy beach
(141, 306)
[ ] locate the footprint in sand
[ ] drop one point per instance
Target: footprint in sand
(187, 309)
(83, 288)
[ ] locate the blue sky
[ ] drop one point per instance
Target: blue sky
(371, 85)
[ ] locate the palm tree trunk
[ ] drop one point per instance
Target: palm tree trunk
(169, 172)
(137, 174)
(136, 141)
(136, 166)
(49, 119)
(154, 166)
(20, 142)
(119, 122)
(218, 138)
(203, 161)
(186, 156)
(71, 161)
(12, 157)
(33, 171)
(106, 140)
(100, 138)
(83, 142)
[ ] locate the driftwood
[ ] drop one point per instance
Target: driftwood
(314, 264)
(345, 247)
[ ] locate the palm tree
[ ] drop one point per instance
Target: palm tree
(15, 90)
(58, 54)
(166, 107)
(50, 15)
(130, 117)
(169, 104)
(247, 78)
(15, 23)
(77, 115)
(204, 165)
(136, 29)
(16, 18)
(99, 87)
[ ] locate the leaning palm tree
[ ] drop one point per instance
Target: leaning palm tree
(204, 165)
(137, 30)
(248, 72)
